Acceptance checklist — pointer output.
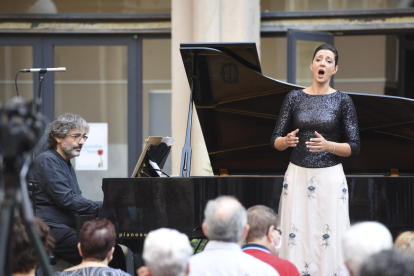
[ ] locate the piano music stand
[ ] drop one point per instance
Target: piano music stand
(152, 159)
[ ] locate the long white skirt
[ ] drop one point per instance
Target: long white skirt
(314, 216)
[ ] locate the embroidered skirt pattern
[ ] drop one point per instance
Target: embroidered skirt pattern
(313, 218)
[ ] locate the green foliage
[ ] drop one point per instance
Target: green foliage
(209, 169)
(196, 242)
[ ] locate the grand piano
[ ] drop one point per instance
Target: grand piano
(237, 107)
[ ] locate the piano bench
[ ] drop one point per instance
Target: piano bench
(81, 219)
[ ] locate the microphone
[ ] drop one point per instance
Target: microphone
(43, 70)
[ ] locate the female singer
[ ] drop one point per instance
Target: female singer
(314, 202)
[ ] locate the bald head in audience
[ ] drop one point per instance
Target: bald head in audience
(225, 225)
(225, 220)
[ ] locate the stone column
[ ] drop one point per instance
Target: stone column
(203, 21)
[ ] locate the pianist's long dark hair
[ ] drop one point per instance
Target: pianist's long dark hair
(327, 47)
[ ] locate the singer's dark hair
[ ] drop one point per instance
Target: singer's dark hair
(327, 47)
(62, 125)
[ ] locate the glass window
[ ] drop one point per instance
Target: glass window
(273, 53)
(82, 6)
(367, 64)
(321, 5)
(12, 59)
(95, 87)
(156, 96)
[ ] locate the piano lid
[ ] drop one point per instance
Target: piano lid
(238, 107)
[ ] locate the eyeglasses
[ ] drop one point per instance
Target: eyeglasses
(278, 230)
(77, 137)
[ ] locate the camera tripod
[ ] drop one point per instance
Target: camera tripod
(21, 134)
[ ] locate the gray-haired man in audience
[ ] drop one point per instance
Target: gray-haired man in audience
(363, 240)
(225, 225)
(166, 253)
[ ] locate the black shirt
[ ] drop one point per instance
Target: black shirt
(327, 114)
(58, 198)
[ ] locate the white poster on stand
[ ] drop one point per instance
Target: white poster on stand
(94, 154)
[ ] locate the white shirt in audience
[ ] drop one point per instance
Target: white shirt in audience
(226, 259)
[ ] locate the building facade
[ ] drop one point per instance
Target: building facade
(124, 67)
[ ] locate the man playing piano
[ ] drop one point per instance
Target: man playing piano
(58, 197)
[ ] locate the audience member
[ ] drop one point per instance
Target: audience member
(405, 242)
(388, 263)
(225, 225)
(96, 246)
(361, 241)
(24, 259)
(264, 239)
(166, 253)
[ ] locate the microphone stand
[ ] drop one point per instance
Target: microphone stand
(42, 72)
(41, 77)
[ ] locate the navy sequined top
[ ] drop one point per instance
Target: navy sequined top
(328, 114)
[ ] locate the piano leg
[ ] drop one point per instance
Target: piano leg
(138, 262)
(136, 246)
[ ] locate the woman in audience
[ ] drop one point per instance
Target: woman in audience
(96, 246)
(405, 242)
(24, 259)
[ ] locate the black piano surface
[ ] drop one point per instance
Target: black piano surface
(139, 205)
(237, 107)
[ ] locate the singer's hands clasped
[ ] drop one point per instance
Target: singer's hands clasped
(318, 144)
(291, 139)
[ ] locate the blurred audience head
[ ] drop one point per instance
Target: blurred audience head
(264, 228)
(97, 240)
(388, 263)
(405, 242)
(361, 241)
(24, 258)
(225, 220)
(166, 252)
